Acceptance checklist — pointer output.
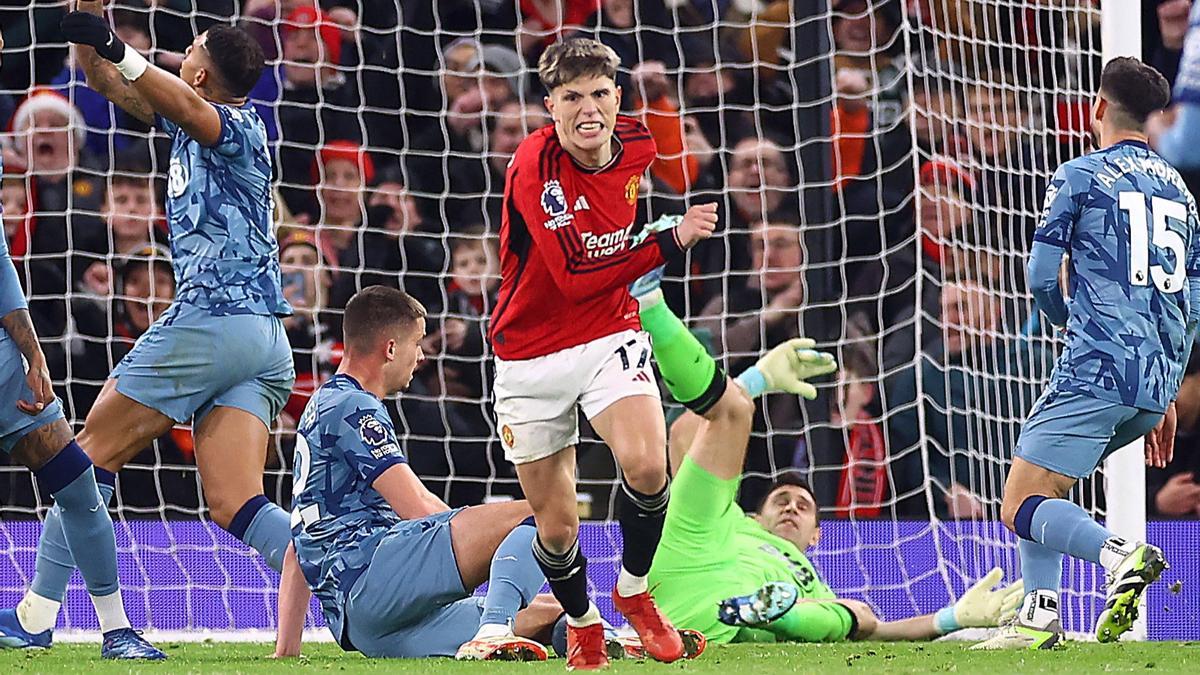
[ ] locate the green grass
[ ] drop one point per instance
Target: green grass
(1160, 657)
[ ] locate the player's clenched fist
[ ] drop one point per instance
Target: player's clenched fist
(697, 224)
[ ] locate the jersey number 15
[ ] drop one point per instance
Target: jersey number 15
(1140, 272)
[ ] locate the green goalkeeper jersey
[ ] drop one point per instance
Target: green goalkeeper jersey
(711, 550)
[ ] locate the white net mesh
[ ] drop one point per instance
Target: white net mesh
(895, 150)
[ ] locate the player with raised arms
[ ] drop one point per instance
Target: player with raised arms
(1128, 224)
(218, 357)
(740, 578)
(34, 432)
(565, 333)
(393, 566)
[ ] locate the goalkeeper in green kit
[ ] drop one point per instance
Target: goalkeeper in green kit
(739, 578)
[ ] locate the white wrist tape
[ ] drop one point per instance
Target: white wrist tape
(133, 65)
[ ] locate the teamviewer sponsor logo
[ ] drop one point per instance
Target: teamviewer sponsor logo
(601, 245)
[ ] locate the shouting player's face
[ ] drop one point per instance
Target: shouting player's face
(405, 354)
(585, 113)
(790, 513)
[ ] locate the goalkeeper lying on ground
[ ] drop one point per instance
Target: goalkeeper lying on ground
(739, 578)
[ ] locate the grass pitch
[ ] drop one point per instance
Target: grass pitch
(862, 657)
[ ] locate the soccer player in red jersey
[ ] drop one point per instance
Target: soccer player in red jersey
(566, 333)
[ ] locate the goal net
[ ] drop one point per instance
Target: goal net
(878, 165)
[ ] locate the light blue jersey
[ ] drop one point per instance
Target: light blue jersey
(1129, 224)
(219, 212)
(344, 441)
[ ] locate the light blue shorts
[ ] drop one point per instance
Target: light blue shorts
(1071, 434)
(14, 424)
(410, 602)
(190, 362)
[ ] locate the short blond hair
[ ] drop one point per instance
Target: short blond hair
(569, 60)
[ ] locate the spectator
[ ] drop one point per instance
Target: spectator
(392, 246)
(35, 272)
(460, 368)
(765, 308)
(975, 390)
(1174, 492)
(129, 217)
(448, 170)
(52, 131)
(1007, 166)
(863, 483)
(471, 296)
(944, 209)
(143, 288)
(652, 94)
(313, 99)
(511, 124)
(340, 171)
(311, 330)
(867, 83)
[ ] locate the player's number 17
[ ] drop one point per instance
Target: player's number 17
(1140, 271)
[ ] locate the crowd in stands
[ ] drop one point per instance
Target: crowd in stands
(392, 124)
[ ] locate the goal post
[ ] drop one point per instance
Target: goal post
(1125, 469)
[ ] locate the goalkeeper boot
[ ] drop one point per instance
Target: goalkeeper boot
(1128, 581)
(759, 608)
(127, 643)
(630, 646)
(1035, 626)
(14, 636)
(586, 647)
(658, 636)
(501, 648)
(647, 283)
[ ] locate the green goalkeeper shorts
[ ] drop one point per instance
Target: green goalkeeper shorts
(695, 566)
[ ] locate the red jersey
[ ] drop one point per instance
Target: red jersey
(565, 254)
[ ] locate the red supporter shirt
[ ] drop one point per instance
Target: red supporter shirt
(565, 258)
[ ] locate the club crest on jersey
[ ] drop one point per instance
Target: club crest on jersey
(631, 189)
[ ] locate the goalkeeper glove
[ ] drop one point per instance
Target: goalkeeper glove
(88, 29)
(661, 225)
(980, 606)
(786, 367)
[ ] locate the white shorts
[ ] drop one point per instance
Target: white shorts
(536, 398)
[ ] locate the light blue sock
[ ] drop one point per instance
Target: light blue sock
(55, 563)
(264, 527)
(1060, 525)
(1041, 567)
(514, 577)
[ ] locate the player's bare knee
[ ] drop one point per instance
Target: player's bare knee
(735, 407)
(648, 473)
(1008, 510)
(224, 505)
(557, 536)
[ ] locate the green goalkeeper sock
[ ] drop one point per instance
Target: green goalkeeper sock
(690, 373)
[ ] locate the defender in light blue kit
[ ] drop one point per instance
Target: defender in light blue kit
(218, 357)
(1128, 226)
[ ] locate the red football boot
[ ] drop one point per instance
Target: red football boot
(586, 647)
(659, 638)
